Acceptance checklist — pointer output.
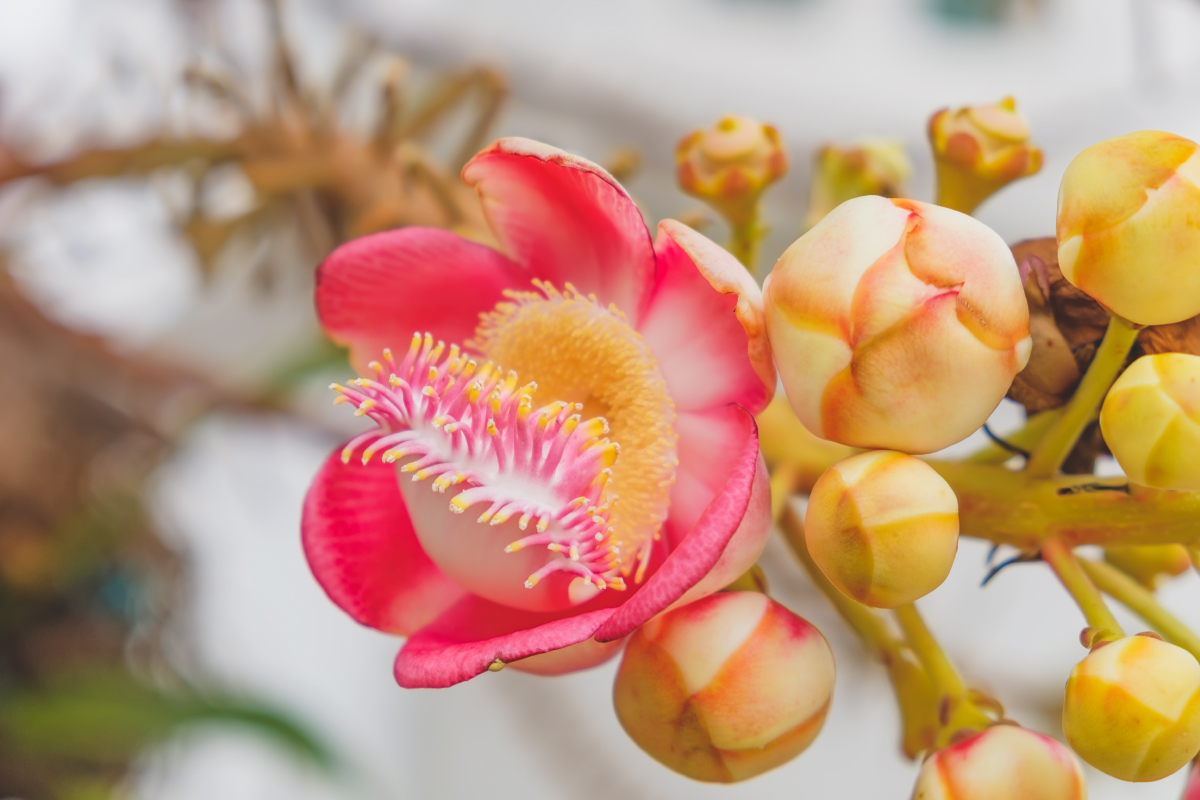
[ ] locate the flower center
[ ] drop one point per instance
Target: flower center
(579, 351)
(475, 430)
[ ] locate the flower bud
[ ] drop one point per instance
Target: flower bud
(896, 324)
(1126, 229)
(883, 527)
(979, 150)
(1151, 421)
(1148, 564)
(1133, 708)
(725, 688)
(730, 164)
(872, 166)
(1004, 762)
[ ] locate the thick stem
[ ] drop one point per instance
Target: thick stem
(1058, 555)
(1054, 448)
(1141, 601)
(744, 241)
(939, 666)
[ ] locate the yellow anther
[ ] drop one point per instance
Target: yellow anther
(421, 475)
(375, 366)
(457, 504)
(387, 354)
(523, 523)
(554, 547)
(429, 392)
(574, 552)
(393, 380)
(542, 524)
(411, 467)
(364, 407)
(531, 581)
(492, 429)
(514, 547)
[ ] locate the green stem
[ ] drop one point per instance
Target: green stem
(1053, 450)
(744, 241)
(1141, 601)
(1062, 560)
(939, 666)
(1026, 438)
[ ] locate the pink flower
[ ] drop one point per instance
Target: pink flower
(490, 517)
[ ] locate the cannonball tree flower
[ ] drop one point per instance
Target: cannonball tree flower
(563, 449)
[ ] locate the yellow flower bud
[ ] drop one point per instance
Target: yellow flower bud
(979, 150)
(1149, 563)
(725, 688)
(729, 165)
(883, 527)
(1133, 708)
(1004, 762)
(871, 166)
(1127, 232)
(1151, 421)
(896, 324)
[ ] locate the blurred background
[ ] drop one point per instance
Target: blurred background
(171, 171)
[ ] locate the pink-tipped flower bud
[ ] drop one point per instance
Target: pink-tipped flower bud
(1004, 762)
(896, 324)
(979, 150)
(725, 688)
(870, 166)
(729, 164)
(1150, 564)
(1133, 708)
(1126, 226)
(883, 527)
(1151, 421)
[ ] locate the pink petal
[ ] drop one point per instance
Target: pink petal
(705, 324)
(376, 291)
(362, 549)
(465, 640)
(566, 220)
(701, 550)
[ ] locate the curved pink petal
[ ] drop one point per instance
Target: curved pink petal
(701, 549)
(705, 324)
(376, 291)
(565, 219)
(471, 635)
(362, 549)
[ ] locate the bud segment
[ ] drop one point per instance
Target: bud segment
(883, 527)
(725, 688)
(896, 324)
(730, 164)
(1126, 230)
(1151, 421)
(1132, 708)
(870, 166)
(1004, 762)
(979, 150)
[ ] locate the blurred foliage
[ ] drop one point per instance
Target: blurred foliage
(92, 670)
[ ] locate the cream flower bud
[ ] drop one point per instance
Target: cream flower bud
(725, 688)
(896, 324)
(883, 527)
(729, 165)
(1133, 708)
(979, 150)
(1151, 421)
(1126, 226)
(1004, 762)
(870, 166)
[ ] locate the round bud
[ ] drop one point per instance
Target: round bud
(978, 150)
(896, 324)
(725, 688)
(1133, 708)
(1126, 226)
(730, 164)
(883, 527)
(1151, 421)
(1149, 564)
(1004, 762)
